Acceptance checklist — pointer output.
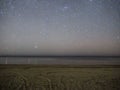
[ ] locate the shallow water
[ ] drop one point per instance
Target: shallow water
(61, 60)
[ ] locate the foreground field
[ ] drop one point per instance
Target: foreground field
(32, 77)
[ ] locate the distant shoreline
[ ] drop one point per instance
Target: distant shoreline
(61, 60)
(56, 66)
(62, 56)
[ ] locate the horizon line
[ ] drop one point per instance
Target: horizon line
(60, 56)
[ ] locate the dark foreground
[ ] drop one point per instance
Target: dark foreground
(59, 77)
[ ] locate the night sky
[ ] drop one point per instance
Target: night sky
(60, 27)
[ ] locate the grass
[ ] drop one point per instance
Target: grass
(59, 77)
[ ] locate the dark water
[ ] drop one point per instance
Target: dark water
(61, 60)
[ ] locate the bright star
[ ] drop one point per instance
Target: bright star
(65, 8)
(35, 46)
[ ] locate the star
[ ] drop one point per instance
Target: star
(65, 8)
(36, 7)
(111, 7)
(1, 13)
(40, 32)
(118, 37)
(19, 15)
(35, 46)
(12, 7)
(90, 0)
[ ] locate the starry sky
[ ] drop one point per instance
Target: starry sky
(60, 27)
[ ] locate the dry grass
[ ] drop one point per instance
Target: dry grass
(31, 77)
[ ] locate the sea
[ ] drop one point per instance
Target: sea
(61, 60)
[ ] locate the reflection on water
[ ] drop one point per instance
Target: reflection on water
(60, 60)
